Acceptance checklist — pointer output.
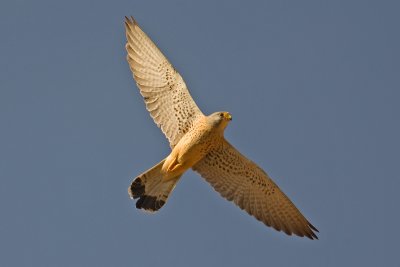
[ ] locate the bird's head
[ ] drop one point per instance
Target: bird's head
(220, 119)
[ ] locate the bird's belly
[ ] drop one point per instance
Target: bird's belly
(189, 156)
(185, 154)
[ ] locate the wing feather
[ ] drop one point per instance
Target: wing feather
(240, 180)
(164, 91)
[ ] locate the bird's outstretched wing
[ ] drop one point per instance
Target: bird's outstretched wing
(163, 89)
(240, 180)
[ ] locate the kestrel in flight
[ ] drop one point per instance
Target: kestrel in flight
(197, 141)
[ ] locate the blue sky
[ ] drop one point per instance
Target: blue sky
(313, 88)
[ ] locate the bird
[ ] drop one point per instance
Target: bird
(197, 142)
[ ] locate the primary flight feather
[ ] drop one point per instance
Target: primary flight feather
(197, 141)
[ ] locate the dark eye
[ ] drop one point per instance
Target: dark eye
(221, 114)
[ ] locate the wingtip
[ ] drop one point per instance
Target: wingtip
(130, 25)
(309, 234)
(130, 21)
(312, 229)
(312, 235)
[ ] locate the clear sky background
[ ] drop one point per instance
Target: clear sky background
(313, 87)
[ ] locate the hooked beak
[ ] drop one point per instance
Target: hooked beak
(227, 116)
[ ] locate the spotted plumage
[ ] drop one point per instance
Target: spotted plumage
(197, 141)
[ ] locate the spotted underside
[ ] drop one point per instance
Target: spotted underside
(162, 87)
(240, 180)
(231, 174)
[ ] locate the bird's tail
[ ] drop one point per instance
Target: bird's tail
(151, 190)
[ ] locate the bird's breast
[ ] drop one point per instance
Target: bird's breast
(194, 145)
